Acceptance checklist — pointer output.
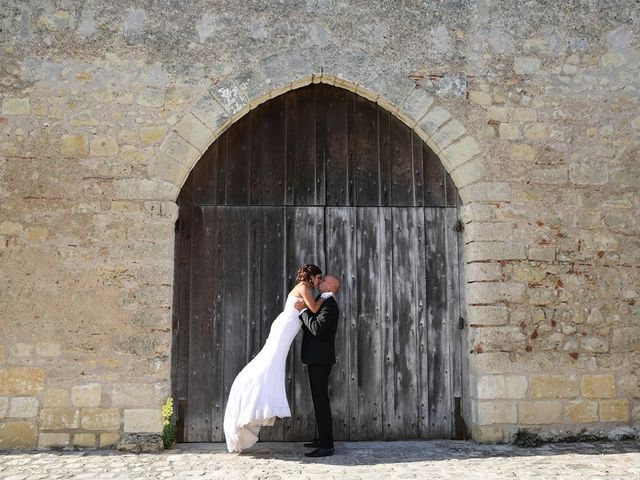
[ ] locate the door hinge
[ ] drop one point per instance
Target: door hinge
(458, 226)
(461, 322)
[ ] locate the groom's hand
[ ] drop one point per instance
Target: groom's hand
(300, 305)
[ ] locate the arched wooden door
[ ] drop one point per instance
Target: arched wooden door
(321, 175)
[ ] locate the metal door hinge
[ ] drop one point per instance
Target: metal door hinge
(458, 226)
(461, 322)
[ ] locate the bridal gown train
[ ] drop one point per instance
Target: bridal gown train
(258, 393)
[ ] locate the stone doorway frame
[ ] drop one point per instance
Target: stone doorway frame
(219, 107)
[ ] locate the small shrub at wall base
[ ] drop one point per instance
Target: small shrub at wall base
(169, 424)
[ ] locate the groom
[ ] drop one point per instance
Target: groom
(318, 353)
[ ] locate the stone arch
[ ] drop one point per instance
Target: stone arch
(212, 113)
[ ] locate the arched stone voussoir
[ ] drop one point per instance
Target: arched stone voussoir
(215, 111)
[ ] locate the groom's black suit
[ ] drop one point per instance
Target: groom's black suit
(318, 353)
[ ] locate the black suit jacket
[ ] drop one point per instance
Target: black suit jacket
(319, 334)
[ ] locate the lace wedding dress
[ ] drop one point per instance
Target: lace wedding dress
(258, 393)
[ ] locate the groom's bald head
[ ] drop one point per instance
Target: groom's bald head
(330, 283)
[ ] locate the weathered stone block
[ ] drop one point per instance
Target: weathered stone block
(462, 151)
(598, 386)
(88, 395)
(482, 272)
(48, 349)
(492, 292)
(487, 315)
(36, 233)
(486, 191)
(417, 104)
(16, 381)
(152, 134)
(626, 339)
(526, 65)
(522, 152)
(22, 434)
(52, 440)
(23, 407)
(143, 420)
(502, 338)
(515, 386)
(498, 114)
(119, 206)
(151, 97)
(524, 115)
(4, 406)
(449, 133)
(59, 418)
(489, 231)
(100, 419)
(134, 155)
(20, 349)
(104, 147)
(211, 113)
(481, 251)
(16, 106)
(614, 411)
(436, 117)
(595, 344)
(496, 412)
(138, 395)
(502, 386)
(74, 145)
(542, 253)
(554, 386)
(551, 175)
(466, 174)
(509, 131)
(544, 412)
(10, 228)
(537, 132)
(480, 98)
(195, 132)
(588, 174)
(490, 362)
(84, 440)
(56, 397)
(582, 411)
(109, 439)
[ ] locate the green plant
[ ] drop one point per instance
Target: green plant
(169, 424)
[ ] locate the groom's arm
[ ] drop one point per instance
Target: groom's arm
(318, 323)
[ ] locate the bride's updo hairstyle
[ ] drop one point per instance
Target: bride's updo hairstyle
(306, 273)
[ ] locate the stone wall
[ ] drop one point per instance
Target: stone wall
(105, 107)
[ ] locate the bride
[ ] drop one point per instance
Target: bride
(258, 393)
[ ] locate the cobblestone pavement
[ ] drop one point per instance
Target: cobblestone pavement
(357, 460)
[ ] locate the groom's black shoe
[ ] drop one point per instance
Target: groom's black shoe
(315, 443)
(320, 452)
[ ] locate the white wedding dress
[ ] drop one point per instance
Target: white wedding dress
(258, 393)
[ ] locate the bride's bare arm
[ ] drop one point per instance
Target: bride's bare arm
(312, 303)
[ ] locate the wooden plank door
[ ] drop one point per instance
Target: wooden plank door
(320, 175)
